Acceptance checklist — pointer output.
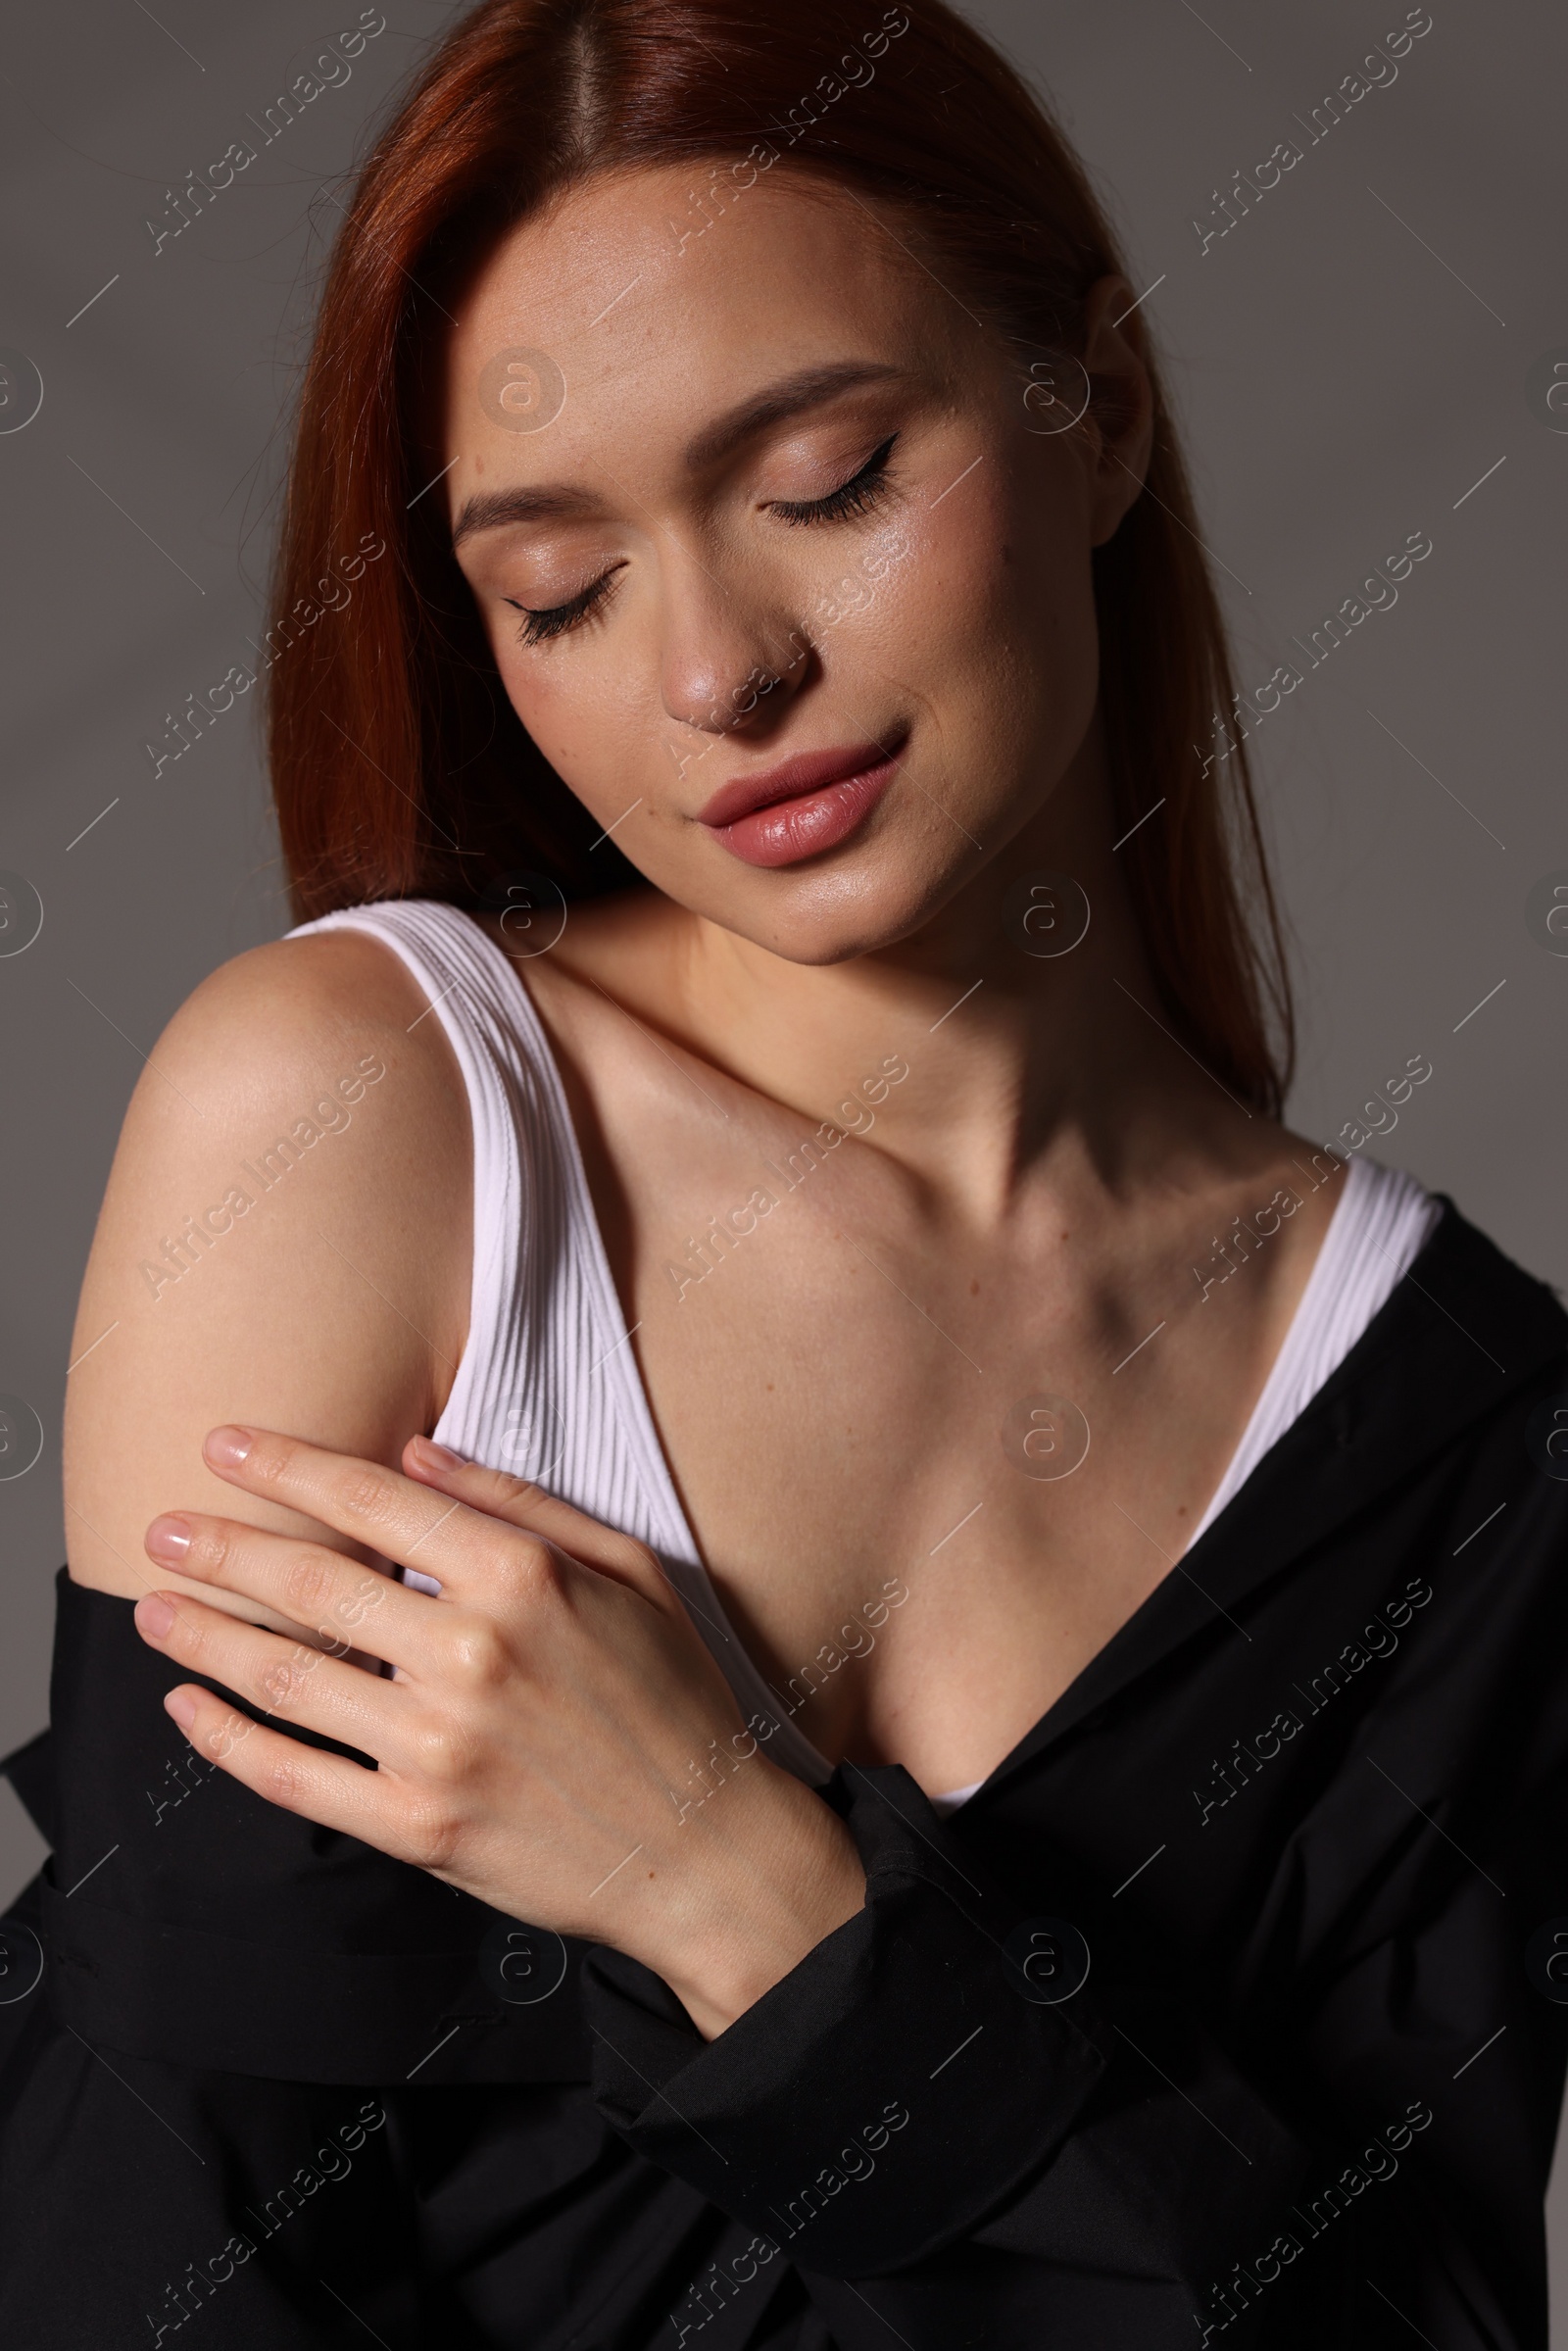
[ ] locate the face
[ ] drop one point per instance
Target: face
(779, 572)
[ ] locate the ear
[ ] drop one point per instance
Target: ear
(1119, 420)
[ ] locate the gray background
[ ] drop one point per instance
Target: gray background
(1350, 361)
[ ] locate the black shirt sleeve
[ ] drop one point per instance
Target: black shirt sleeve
(911, 2100)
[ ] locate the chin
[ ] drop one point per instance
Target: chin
(839, 910)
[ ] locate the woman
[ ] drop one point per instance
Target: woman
(989, 1607)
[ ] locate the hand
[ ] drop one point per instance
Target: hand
(537, 1738)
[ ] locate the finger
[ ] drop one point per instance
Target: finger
(374, 1806)
(285, 1678)
(469, 1551)
(348, 1606)
(521, 1504)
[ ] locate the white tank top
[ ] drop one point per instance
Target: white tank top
(548, 1388)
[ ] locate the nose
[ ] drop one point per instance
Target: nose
(733, 658)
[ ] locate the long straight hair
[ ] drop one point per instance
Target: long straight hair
(399, 767)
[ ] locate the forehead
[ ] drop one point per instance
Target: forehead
(640, 286)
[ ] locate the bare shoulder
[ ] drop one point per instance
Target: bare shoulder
(318, 985)
(285, 1240)
(287, 1048)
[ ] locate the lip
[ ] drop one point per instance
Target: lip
(804, 805)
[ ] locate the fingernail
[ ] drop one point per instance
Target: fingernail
(154, 1614)
(180, 1708)
(167, 1539)
(437, 1456)
(228, 1446)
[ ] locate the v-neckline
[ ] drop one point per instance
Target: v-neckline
(638, 1419)
(1355, 1436)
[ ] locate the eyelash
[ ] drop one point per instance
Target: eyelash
(553, 621)
(856, 496)
(859, 495)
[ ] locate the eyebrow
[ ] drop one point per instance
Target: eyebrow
(493, 508)
(808, 387)
(791, 396)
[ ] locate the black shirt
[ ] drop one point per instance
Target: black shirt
(1230, 2009)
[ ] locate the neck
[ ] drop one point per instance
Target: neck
(1021, 1066)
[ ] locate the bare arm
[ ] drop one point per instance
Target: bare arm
(286, 1237)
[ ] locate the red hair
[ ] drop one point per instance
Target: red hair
(399, 766)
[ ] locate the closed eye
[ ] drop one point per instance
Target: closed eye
(856, 496)
(865, 490)
(541, 624)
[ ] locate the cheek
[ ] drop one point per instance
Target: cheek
(991, 623)
(582, 710)
(1043, 592)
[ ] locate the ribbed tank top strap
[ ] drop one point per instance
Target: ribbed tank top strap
(512, 1211)
(548, 1387)
(1381, 1223)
